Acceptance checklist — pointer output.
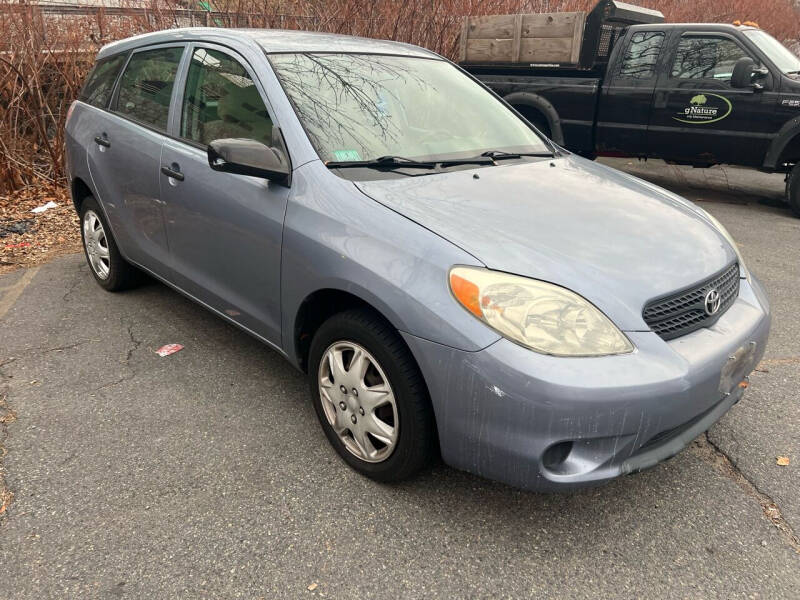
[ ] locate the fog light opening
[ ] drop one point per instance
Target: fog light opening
(554, 457)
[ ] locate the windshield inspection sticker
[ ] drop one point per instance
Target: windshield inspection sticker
(705, 108)
(345, 155)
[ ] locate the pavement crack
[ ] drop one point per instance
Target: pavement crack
(134, 344)
(29, 352)
(79, 278)
(712, 454)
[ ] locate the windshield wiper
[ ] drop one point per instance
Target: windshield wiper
(500, 154)
(382, 162)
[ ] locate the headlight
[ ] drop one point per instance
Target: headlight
(541, 316)
(724, 232)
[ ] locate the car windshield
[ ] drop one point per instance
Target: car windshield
(780, 55)
(358, 107)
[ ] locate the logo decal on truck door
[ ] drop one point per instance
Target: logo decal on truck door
(705, 108)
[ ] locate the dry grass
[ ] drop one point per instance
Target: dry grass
(43, 59)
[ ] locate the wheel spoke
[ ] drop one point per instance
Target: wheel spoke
(336, 362)
(364, 443)
(375, 396)
(379, 429)
(358, 365)
(102, 251)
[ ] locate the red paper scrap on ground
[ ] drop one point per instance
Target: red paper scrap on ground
(169, 349)
(20, 245)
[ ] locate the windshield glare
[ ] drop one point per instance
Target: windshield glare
(780, 55)
(358, 107)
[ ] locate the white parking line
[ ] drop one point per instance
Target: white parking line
(12, 293)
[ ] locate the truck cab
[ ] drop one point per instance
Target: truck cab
(700, 94)
(689, 93)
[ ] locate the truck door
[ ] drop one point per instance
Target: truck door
(697, 116)
(627, 95)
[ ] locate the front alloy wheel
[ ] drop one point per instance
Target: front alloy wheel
(358, 401)
(370, 397)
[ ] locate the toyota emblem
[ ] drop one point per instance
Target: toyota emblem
(712, 301)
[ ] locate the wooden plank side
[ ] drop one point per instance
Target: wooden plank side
(550, 25)
(517, 37)
(489, 50)
(577, 38)
(492, 27)
(545, 50)
(462, 42)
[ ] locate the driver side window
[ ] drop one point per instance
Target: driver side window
(221, 101)
(706, 57)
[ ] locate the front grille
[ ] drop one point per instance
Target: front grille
(685, 311)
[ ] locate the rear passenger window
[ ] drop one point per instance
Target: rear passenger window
(641, 55)
(221, 101)
(145, 88)
(100, 82)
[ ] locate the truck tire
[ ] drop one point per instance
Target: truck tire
(793, 190)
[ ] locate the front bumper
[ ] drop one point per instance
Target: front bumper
(549, 423)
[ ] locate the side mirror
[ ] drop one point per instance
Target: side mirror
(248, 157)
(745, 72)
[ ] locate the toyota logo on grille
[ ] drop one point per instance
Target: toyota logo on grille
(712, 301)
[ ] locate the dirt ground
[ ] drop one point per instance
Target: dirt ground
(27, 238)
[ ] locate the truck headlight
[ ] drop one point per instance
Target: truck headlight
(720, 227)
(541, 316)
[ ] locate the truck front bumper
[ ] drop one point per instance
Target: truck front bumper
(550, 423)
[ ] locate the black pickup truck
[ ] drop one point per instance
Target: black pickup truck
(689, 93)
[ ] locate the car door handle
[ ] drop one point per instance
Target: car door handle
(174, 173)
(102, 141)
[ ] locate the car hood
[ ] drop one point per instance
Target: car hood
(616, 240)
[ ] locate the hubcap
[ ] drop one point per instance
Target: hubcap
(358, 401)
(96, 244)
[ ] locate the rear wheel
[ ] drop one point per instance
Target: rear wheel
(108, 267)
(370, 397)
(793, 190)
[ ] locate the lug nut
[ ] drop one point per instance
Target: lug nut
(342, 405)
(361, 410)
(342, 389)
(353, 419)
(355, 392)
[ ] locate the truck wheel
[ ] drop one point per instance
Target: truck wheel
(793, 190)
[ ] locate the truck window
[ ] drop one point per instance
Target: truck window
(221, 101)
(100, 82)
(145, 88)
(706, 57)
(639, 61)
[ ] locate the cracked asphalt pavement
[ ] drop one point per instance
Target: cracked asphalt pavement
(205, 473)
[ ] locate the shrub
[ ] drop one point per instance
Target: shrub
(44, 56)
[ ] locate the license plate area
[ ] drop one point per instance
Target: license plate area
(739, 366)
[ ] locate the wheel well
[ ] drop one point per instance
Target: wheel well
(791, 152)
(79, 191)
(318, 308)
(537, 117)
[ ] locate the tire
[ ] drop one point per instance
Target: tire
(793, 190)
(411, 416)
(108, 268)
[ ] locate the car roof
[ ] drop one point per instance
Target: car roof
(271, 40)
